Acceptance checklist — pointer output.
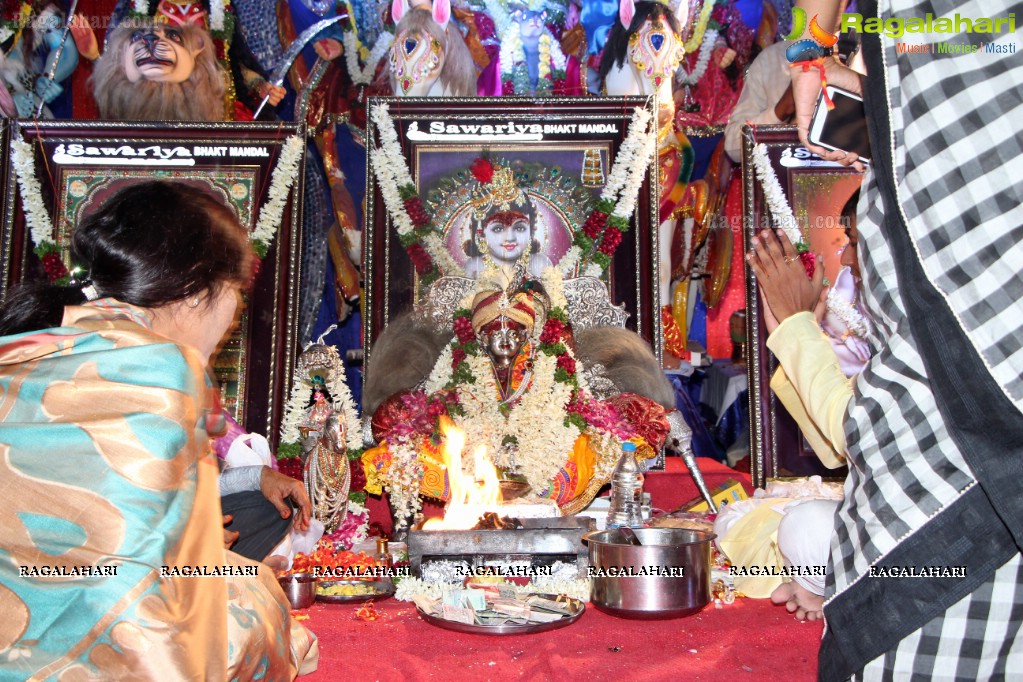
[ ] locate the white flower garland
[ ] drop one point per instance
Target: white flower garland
(141, 6)
(441, 373)
(779, 207)
(37, 217)
(630, 165)
(383, 168)
(403, 478)
(702, 61)
(389, 142)
(777, 203)
(637, 171)
(569, 261)
(536, 421)
(390, 169)
(216, 15)
(554, 284)
(701, 26)
(434, 245)
(364, 75)
(284, 175)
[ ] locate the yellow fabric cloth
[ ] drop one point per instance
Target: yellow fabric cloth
(753, 542)
(811, 385)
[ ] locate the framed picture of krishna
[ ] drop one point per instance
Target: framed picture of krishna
(814, 201)
(59, 171)
(511, 270)
(590, 210)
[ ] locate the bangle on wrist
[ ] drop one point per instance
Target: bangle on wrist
(805, 50)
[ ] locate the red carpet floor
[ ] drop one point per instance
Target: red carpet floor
(748, 640)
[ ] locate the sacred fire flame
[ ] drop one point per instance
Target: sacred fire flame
(471, 495)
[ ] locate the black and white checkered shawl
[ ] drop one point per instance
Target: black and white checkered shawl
(941, 250)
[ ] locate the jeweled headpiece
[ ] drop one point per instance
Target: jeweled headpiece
(321, 364)
(501, 193)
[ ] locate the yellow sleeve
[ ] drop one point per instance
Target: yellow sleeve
(812, 369)
(786, 393)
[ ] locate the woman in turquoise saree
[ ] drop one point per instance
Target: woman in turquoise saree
(112, 558)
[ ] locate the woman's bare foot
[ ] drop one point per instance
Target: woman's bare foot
(800, 601)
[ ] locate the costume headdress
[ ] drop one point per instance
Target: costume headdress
(527, 305)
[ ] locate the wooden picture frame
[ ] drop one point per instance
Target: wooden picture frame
(817, 190)
(570, 129)
(79, 163)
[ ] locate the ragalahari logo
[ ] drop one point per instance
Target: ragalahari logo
(819, 43)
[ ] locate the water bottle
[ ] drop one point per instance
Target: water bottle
(626, 491)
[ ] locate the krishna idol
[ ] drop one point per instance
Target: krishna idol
(530, 361)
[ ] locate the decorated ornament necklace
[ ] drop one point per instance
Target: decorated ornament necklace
(419, 58)
(644, 49)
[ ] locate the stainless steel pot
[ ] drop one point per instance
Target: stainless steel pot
(667, 576)
(300, 589)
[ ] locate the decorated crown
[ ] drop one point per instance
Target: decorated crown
(501, 192)
(321, 364)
